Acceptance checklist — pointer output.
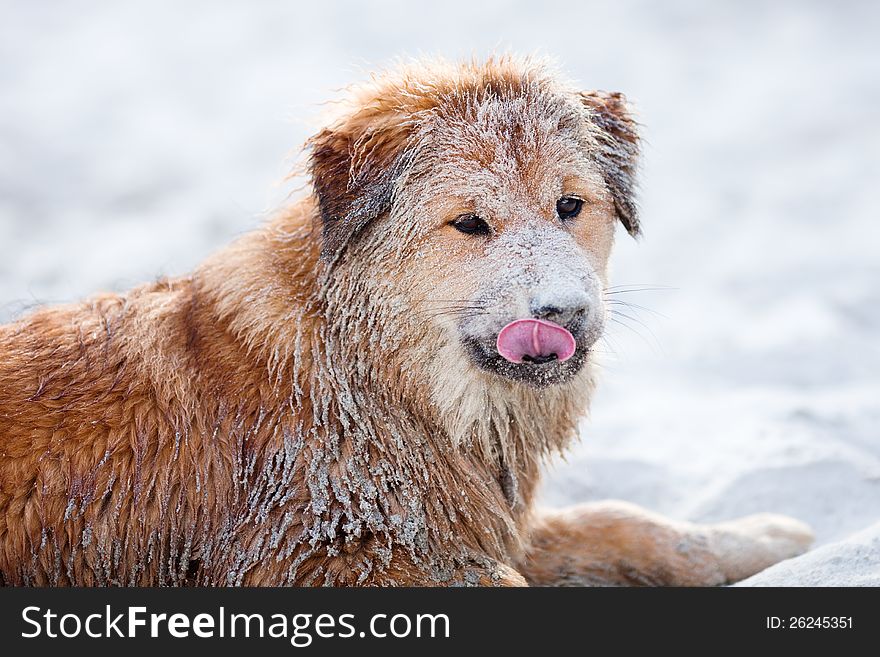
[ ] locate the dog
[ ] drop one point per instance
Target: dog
(362, 392)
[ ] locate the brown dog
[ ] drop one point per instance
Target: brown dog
(363, 391)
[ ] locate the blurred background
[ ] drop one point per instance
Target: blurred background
(137, 137)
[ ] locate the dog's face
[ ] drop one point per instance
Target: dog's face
(493, 208)
(518, 226)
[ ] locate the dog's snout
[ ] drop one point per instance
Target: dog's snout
(559, 313)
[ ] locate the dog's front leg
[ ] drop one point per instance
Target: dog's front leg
(476, 571)
(616, 543)
(366, 566)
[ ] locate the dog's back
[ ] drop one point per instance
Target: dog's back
(88, 439)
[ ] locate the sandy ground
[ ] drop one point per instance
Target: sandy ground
(137, 137)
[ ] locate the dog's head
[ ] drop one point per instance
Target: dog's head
(488, 194)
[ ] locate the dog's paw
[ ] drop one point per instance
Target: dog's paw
(748, 545)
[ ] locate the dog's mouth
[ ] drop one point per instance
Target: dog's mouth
(532, 351)
(535, 341)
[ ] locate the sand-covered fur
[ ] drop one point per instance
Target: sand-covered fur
(321, 402)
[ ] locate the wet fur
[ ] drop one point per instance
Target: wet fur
(294, 413)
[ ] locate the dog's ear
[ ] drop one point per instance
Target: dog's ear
(618, 151)
(354, 165)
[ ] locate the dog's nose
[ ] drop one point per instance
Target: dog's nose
(564, 314)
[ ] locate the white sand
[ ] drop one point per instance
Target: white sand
(135, 141)
(851, 562)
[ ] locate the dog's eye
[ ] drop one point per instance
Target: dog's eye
(471, 224)
(568, 207)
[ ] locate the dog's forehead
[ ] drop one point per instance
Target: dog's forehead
(500, 125)
(503, 145)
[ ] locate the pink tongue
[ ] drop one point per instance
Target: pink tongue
(534, 338)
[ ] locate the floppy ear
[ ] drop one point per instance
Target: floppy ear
(618, 151)
(354, 166)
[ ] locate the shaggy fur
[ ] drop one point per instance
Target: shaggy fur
(302, 408)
